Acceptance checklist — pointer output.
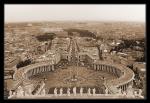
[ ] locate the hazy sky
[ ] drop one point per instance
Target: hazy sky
(16, 13)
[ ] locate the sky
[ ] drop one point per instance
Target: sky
(22, 13)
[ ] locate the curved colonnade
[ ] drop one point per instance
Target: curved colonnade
(124, 75)
(37, 69)
(26, 72)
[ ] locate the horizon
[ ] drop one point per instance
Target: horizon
(40, 21)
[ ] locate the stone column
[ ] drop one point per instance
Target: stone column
(115, 72)
(109, 69)
(33, 71)
(123, 87)
(101, 67)
(29, 73)
(45, 68)
(48, 67)
(94, 66)
(37, 70)
(126, 87)
(26, 74)
(106, 68)
(112, 69)
(42, 69)
(52, 67)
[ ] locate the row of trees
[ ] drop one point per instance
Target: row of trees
(46, 37)
(82, 33)
(130, 44)
(23, 63)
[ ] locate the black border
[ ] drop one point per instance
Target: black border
(2, 3)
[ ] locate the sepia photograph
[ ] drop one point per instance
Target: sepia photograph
(75, 51)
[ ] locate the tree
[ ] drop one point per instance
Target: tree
(23, 63)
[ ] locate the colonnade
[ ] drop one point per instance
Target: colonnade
(40, 69)
(107, 68)
(124, 87)
(116, 71)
